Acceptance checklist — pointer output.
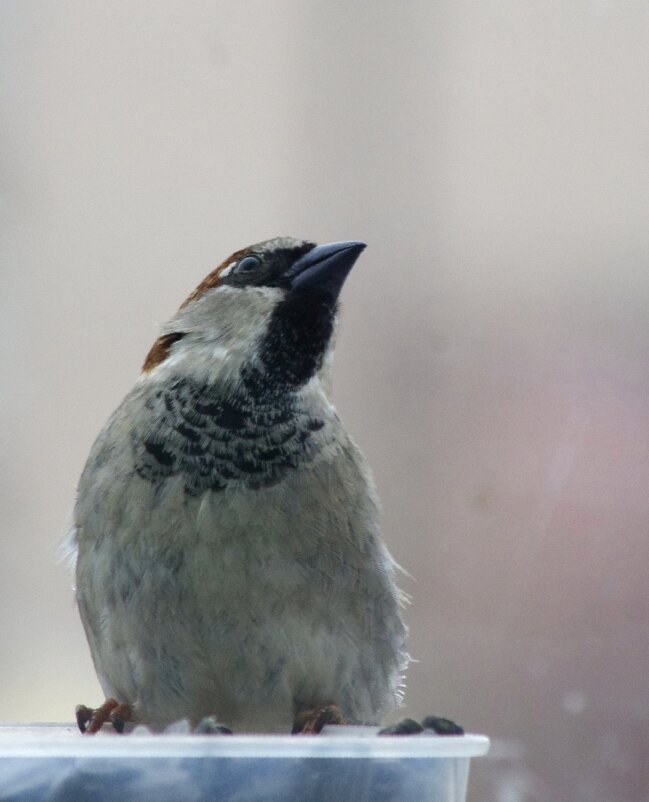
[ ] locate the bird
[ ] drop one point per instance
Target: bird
(229, 564)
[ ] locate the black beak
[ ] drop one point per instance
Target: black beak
(325, 267)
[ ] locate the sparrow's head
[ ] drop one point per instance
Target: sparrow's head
(269, 309)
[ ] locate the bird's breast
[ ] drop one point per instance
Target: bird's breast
(214, 440)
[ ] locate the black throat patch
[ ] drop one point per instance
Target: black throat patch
(297, 337)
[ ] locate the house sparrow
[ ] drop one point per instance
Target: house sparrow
(228, 555)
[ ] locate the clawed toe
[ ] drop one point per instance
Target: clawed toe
(91, 720)
(311, 720)
(119, 716)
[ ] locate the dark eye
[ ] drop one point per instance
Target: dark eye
(248, 264)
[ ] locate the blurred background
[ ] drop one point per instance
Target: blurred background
(493, 357)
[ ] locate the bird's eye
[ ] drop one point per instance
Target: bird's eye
(248, 264)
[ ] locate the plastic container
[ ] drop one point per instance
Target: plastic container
(55, 762)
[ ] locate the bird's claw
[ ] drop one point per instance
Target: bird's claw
(91, 720)
(311, 720)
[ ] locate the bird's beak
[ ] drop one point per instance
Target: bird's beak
(325, 267)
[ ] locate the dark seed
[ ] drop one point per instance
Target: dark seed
(406, 727)
(442, 726)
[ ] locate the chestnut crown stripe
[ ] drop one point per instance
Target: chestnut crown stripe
(213, 279)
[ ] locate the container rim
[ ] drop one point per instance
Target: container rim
(64, 741)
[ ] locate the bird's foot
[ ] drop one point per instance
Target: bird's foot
(91, 720)
(311, 720)
(441, 726)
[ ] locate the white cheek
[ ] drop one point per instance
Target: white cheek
(223, 330)
(204, 361)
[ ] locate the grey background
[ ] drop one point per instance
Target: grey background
(493, 354)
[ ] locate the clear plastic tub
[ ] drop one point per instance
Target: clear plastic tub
(55, 762)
